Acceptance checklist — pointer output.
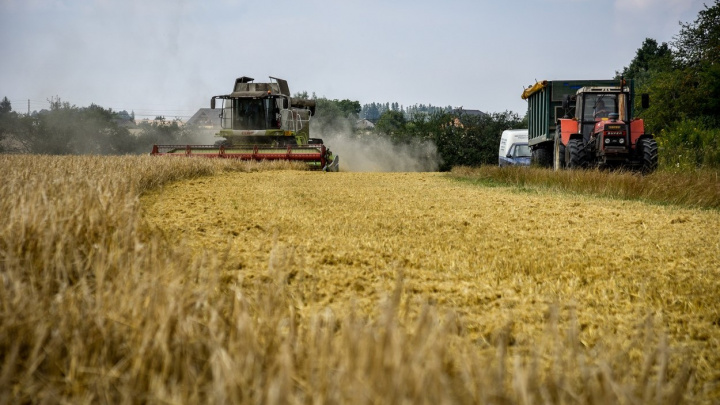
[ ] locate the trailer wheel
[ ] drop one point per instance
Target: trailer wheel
(648, 151)
(542, 157)
(558, 154)
(576, 154)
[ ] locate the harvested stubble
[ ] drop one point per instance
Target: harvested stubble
(339, 241)
(297, 287)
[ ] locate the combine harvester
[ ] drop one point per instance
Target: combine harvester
(260, 121)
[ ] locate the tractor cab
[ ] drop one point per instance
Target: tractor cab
(601, 131)
(597, 106)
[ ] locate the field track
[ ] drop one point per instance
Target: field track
(343, 239)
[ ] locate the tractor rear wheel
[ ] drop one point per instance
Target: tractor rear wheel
(648, 151)
(577, 158)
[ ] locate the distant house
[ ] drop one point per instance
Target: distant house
(205, 118)
(461, 111)
(364, 124)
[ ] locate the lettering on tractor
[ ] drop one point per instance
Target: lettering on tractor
(588, 123)
(260, 121)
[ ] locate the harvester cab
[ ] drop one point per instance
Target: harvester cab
(264, 113)
(261, 121)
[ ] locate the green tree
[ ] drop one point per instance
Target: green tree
(5, 106)
(471, 140)
(698, 43)
(683, 82)
(67, 129)
(162, 132)
(392, 123)
(350, 108)
(124, 116)
(333, 117)
(301, 95)
(649, 59)
(697, 50)
(460, 139)
(7, 120)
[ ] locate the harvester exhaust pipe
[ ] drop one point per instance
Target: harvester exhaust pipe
(302, 103)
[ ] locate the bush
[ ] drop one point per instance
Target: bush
(690, 144)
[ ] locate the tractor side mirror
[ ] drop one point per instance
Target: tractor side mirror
(286, 103)
(566, 102)
(645, 100)
(212, 103)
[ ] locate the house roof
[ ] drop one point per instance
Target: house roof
(205, 117)
(364, 124)
(469, 112)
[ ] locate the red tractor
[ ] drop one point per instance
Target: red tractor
(594, 127)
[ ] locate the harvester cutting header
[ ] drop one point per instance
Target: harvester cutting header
(260, 121)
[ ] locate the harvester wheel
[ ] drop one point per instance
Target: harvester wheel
(576, 154)
(648, 151)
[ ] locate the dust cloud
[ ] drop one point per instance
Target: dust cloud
(365, 152)
(373, 152)
(200, 136)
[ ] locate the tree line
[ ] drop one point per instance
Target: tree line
(67, 129)
(682, 79)
(460, 138)
(373, 111)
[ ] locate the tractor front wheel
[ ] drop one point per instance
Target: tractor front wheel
(576, 156)
(648, 151)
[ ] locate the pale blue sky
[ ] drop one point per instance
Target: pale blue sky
(163, 57)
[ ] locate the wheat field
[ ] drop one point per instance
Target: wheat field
(133, 279)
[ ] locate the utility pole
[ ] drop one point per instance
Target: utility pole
(28, 107)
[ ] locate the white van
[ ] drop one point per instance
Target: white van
(514, 149)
